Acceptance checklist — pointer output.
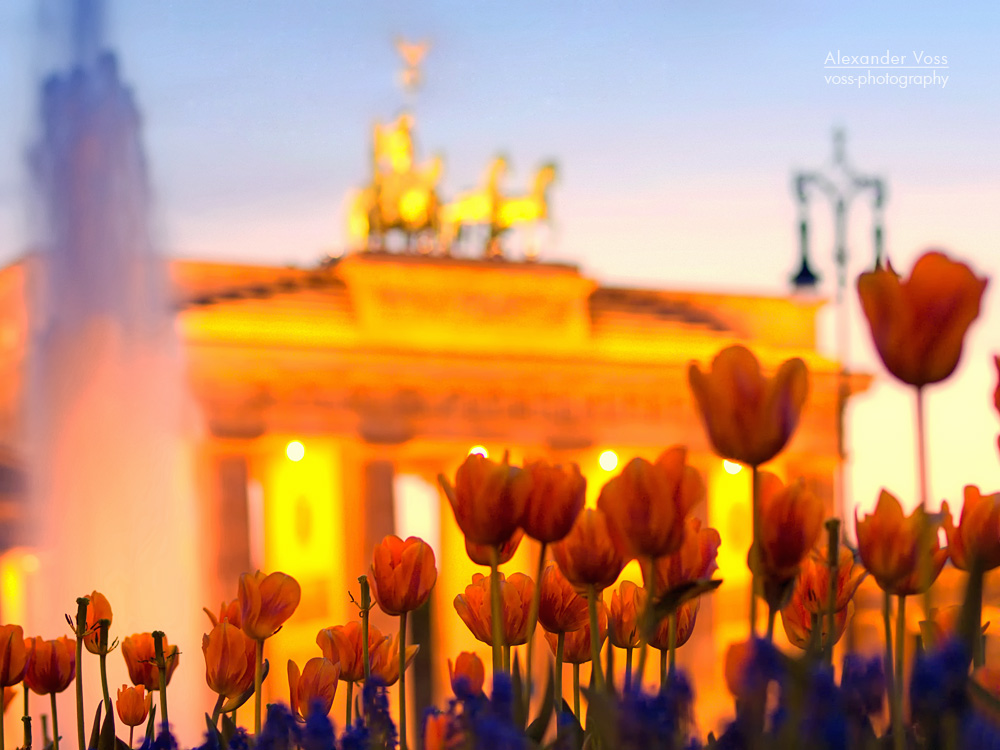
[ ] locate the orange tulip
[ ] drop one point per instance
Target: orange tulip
(266, 602)
(647, 503)
(133, 705)
(515, 596)
(576, 644)
(693, 561)
(798, 621)
(488, 498)
(687, 614)
(227, 612)
(442, 732)
(791, 521)
(51, 664)
(977, 537)
(385, 660)
(140, 658)
(888, 542)
(343, 644)
(556, 499)
(230, 660)
(588, 555)
(402, 574)
(749, 417)
(560, 608)
(480, 553)
(814, 580)
(623, 622)
(13, 655)
(315, 687)
(98, 609)
(918, 325)
(468, 668)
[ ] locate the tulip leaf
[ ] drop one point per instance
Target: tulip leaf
(238, 700)
(536, 729)
(107, 739)
(569, 733)
(121, 744)
(517, 691)
(672, 599)
(151, 724)
(214, 730)
(228, 729)
(95, 732)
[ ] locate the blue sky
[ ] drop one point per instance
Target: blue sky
(676, 126)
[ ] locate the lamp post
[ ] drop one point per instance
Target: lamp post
(840, 184)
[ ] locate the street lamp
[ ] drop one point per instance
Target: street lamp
(840, 185)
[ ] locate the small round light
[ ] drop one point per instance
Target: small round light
(479, 450)
(731, 467)
(30, 563)
(608, 460)
(295, 451)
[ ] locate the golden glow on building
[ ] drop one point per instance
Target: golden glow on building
(383, 369)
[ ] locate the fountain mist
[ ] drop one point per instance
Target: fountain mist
(113, 502)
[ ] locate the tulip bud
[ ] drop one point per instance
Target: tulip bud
(13, 655)
(918, 325)
(588, 555)
(51, 665)
(98, 609)
(480, 554)
(977, 538)
(556, 499)
(889, 544)
(230, 660)
(402, 574)
(467, 674)
(139, 652)
(623, 621)
(266, 602)
(488, 499)
(516, 593)
(560, 608)
(133, 705)
(749, 417)
(314, 688)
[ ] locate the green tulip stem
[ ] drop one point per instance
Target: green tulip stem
(672, 642)
(131, 736)
(366, 605)
(896, 720)
(161, 665)
(772, 614)
(496, 612)
(258, 675)
(900, 665)
(595, 637)
(536, 599)
(560, 647)
(628, 668)
(663, 668)
(926, 532)
(755, 580)
(646, 625)
(26, 718)
(103, 626)
(833, 561)
(350, 701)
(218, 709)
(402, 681)
(55, 723)
(81, 630)
(576, 691)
